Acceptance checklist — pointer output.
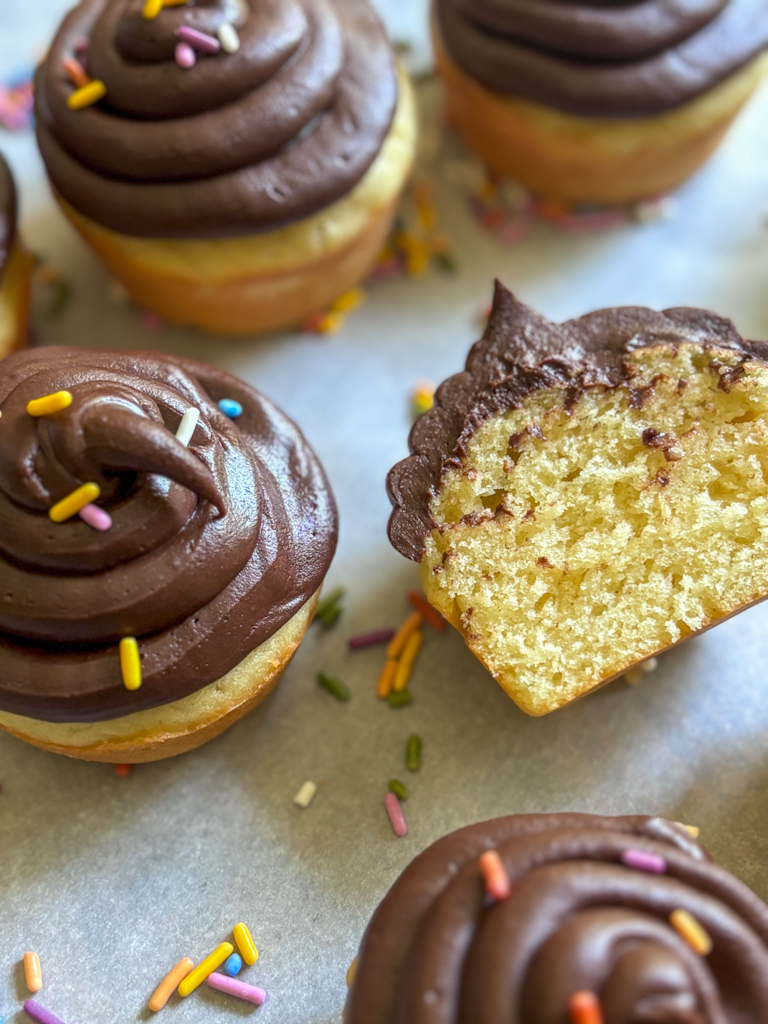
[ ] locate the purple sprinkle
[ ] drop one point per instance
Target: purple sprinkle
(379, 636)
(642, 861)
(185, 56)
(199, 40)
(96, 517)
(39, 1013)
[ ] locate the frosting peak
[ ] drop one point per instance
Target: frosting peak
(239, 143)
(213, 547)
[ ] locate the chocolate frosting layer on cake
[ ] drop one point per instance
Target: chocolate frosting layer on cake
(520, 353)
(213, 547)
(438, 950)
(8, 213)
(240, 143)
(607, 58)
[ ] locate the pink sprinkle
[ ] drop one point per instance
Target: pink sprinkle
(396, 816)
(233, 987)
(152, 321)
(96, 517)
(199, 40)
(495, 876)
(81, 47)
(185, 56)
(379, 636)
(514, 231)
(642, 861)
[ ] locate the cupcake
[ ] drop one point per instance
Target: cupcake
(235, 165)
(549, 918)
(15, 270)
(165, 533)
(598, 103)
(586, 495)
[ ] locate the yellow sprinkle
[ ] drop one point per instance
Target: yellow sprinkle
(330, 323)
(196, 978)
(152, 8)
(49, 404)
(349, 301)
(87, 95)
(397, 643)
(384, 687)
(423, 399)
(692, 830)
(71, 505)
(245, 944)
(352, 972)
(130, 663)
(686, 925)
(407, 658)
(427, 216)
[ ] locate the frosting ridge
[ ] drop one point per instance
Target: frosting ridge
(213, 547)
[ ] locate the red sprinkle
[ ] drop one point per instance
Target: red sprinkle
(421, 605)
(584, 1008)
(378, 636)
(123, 770)
(494, 872)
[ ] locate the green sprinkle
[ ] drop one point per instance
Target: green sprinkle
(329, 609)
(61, 293)
(397, 787)
(413, 753)
(447, 262)
(399, 700)
(330, 617)
(333, 685)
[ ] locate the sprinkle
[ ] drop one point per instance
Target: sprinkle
(61, 293)
(33, 974)
(495, 876)
(228, 37)
(50, 404)
(446, 261)
(333, 685)
(196, 977)
(692, 830)
(329, 609)
(172, 980)
(233, 965)
(123, 771)
(199, 40)
(349, 301)
(399, 700)
(239, 989)
(396, 816)
(378, 636)
(87, 95)
(96, 517)
(39, 1014)
(74, 502)
(407, 659)
(130, 663)
(413, 753)
(399, 789)
(185, 56)
(584, 1008)
(152, 321)
(387, 677)
(352, 972)
(425, 608)
(152, 8)
(306, 795)
(423, 398)
(76, 73)
(643, 861)
(231, 408)
(398, 641)
(686, 925)
(330, 323)
(186, 428)
(245, 944)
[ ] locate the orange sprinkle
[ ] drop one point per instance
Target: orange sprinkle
(584, 1008)
(386, 679)
(406, 660)
(172, 980)
(76, 73)
(123, 770)
(352, 972)
(686, 925)
(397, 643)
(497, 883)
(425, 608)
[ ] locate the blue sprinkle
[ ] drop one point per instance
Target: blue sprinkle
(233, 965)
(231, 408)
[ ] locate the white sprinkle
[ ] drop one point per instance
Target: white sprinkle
(662, 208)
(306, 795)
(187, 425)
(651, 665)
(228, 37)
(674, 454)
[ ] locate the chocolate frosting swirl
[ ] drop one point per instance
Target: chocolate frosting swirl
(608, 58)
(212, 548)
(235, 145)
(438, 951)
(8, 214)
(520, 353)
